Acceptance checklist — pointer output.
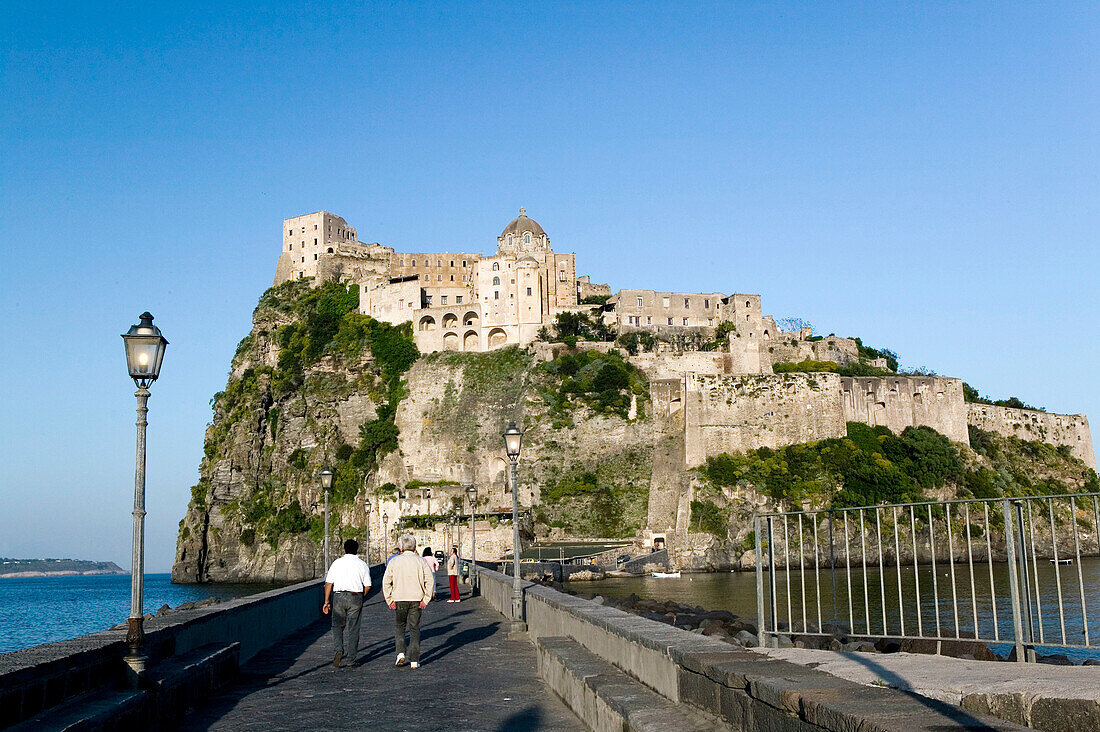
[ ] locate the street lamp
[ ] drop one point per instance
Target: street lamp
(326, 486)
(366, 507)
(144, 353)
(471, 495)
(428, 496)
(385, 523)
(513, 441)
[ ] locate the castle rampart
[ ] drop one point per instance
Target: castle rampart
(726, 414)
(1031, 424)
(898, 402)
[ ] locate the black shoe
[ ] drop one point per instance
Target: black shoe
(337, 659)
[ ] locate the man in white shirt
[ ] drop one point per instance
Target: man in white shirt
(349, 577)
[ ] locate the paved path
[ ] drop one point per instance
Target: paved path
(472, 678)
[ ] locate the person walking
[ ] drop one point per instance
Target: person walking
(346, 585)
(408, 587)
(433, 565)
(452, 573)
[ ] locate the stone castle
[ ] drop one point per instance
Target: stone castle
(705, 402)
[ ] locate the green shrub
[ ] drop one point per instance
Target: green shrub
(706, 516)
(605, 382)
(248, 537)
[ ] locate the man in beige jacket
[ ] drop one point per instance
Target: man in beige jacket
(408, 588)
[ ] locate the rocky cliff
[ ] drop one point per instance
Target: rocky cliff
(317, 384)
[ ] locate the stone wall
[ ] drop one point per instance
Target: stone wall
(898, 402)
(726, 414)
(1030, 424)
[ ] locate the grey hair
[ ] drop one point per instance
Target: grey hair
(407, 543)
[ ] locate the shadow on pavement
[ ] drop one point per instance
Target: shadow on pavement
(458, 640)
(529, 719)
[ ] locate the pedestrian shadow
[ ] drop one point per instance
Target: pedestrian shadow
(956, 714)
(525, 721)
(460, 639)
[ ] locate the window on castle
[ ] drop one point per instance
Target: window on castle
(290, 247)
(670, 321)
(685, 321)
(303, 259)
(442, 299)
(747, 304)
(526, 238)
(452, 278)
(315, 256)
(649, 320)
(496, 266)
(664, 301)
(414, 263)
(561, 276)
(706, 303)
(401, 263)
(513, 281)
(452, 263)
(640, 303)
(438, 263)
(290, 232)
(528, 292)
(439, 278)
(428, 299)
(315, 227)
(458, 299)
(496, 280)
(463, 262)
(496, 294)
(686, 303)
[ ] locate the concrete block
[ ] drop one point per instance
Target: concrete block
(699, 691)
(785, 692)
(766, 718)
(735, 707)
(1064, 715)
(1013, 707)
(867, 709)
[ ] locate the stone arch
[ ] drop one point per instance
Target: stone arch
(497, 337)
(427, 323)
(496, 266)
(470, 318)
(766, 334)
(496, 280)
(450, 320)
(470, 341)
(329, 250)
(451, 342)
(498, 476)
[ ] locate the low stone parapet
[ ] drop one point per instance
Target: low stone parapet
(740, 688)
(34, 680)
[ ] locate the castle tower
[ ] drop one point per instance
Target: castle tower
(306, 238)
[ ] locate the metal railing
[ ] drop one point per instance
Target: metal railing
(1002, 571)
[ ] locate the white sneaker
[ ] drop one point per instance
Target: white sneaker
(400, 659)
(414, 664)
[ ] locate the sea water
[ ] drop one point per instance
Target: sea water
(35, 610)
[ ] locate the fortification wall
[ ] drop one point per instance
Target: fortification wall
(898, 402)
(737, 413)
(1030, 424)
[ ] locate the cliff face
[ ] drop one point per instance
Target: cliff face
(317, 384)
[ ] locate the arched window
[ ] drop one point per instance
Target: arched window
(526, 238)
(496, 280)
(496, 266)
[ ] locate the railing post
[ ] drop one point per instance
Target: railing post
(771, 585)
(1013, 581)
(759, 583)
(1029, 632)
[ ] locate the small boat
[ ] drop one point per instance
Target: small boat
(1061, 561)
(665, 575)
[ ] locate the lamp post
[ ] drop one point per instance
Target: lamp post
(366, 507)
(471, 495)
(428, 496)
(326, 486)
(513, 441)
(144, 354)
(385, 534)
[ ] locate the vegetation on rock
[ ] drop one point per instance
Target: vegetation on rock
(971, 394)
(605, 382)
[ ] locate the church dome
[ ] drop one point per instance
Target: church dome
(521, 225)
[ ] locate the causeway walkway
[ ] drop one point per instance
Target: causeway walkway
(472, 677)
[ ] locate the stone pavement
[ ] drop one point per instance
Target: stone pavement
(472, 678)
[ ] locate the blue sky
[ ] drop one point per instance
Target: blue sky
(924, 176)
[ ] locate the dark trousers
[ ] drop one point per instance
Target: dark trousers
(408, 617)
(347, 607)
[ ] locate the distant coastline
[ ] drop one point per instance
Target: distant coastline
(24, 568)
